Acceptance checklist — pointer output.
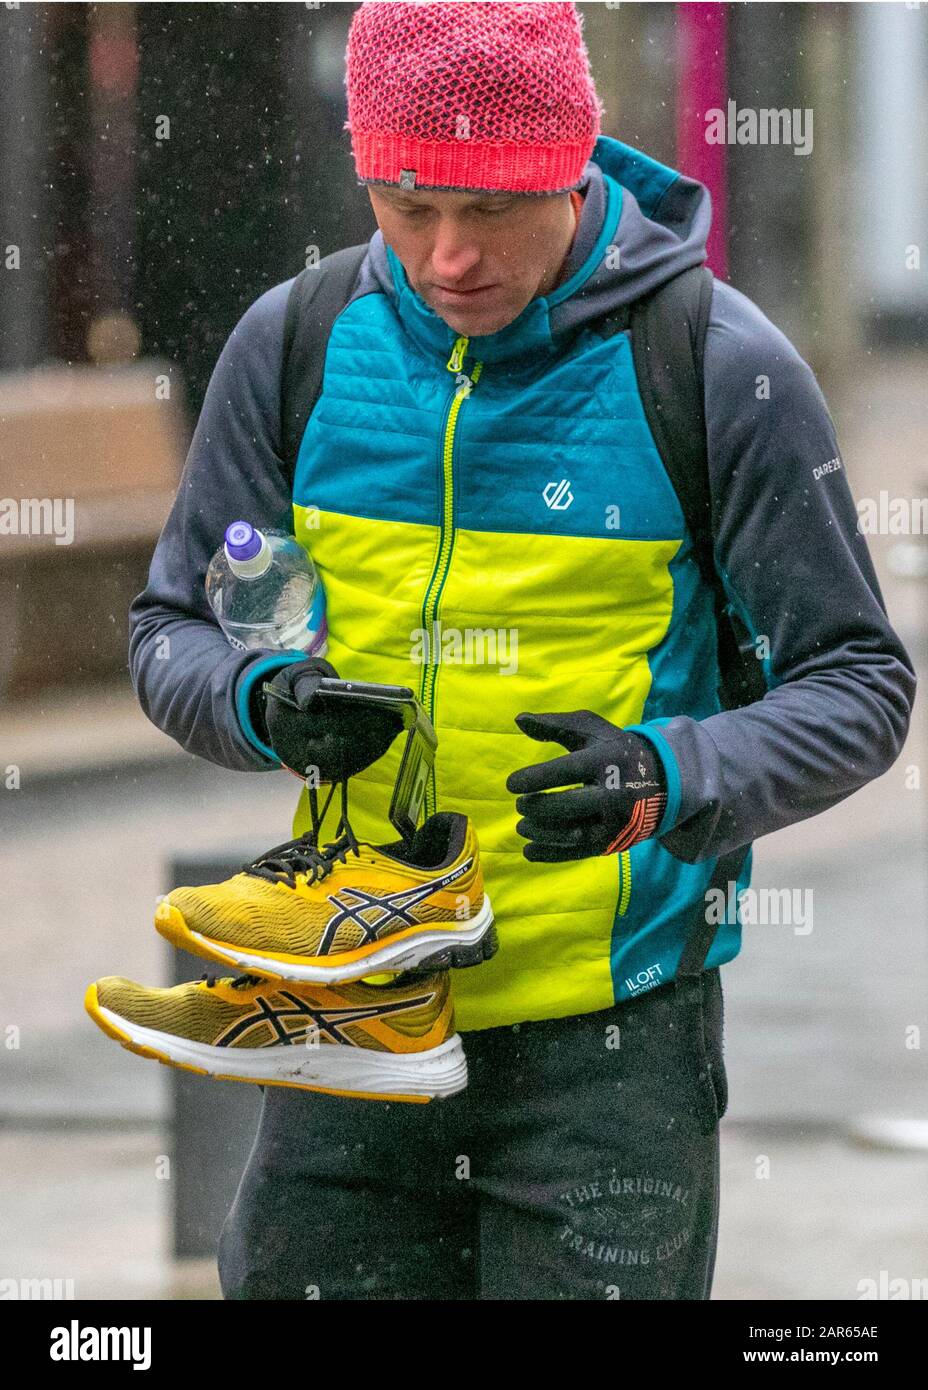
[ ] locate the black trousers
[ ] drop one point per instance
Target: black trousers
(582, 1162)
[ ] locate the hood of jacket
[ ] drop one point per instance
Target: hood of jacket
(641, 223)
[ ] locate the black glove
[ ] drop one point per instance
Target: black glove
(333, 740)
(621, 800)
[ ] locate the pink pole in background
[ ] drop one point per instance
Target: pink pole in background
(701, 78)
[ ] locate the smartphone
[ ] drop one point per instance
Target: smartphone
(421, 741)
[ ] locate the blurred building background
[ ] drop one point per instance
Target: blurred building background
(160, 166)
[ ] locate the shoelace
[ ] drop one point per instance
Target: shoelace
(404, 977)
(240, 981)
(304, 855)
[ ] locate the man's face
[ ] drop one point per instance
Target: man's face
(505, 247)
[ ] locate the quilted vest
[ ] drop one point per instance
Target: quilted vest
(500, 535)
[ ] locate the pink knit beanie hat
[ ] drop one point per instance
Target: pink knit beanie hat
(469, 95)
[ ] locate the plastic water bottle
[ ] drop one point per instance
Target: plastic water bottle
(265, 592)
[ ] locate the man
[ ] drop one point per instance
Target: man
(479, 458)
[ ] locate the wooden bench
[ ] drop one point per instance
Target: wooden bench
(99, 440)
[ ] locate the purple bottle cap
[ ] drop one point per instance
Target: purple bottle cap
(243, 542)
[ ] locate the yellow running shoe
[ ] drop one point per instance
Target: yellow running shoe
(338, 913)
(378, 1042)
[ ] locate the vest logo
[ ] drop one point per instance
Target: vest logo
(645, 979)
(558, 496)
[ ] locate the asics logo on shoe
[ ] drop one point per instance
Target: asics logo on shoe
(291, 1025)
(394, 909)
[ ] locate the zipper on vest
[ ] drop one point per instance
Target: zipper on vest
(625, 881)
(463, 386)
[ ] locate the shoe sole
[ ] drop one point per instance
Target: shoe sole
(436, 947)
(332, 1068)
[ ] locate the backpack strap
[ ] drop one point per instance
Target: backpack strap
(317, 296)
(668, 336)
(668, 345)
